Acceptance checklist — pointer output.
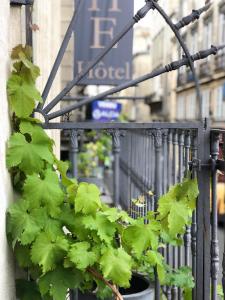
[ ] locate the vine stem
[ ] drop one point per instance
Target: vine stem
(112, 287)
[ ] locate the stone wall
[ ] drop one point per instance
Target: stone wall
(7, 291)
(47, 15)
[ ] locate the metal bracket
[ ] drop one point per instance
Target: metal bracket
(212, 164)
(21, 2)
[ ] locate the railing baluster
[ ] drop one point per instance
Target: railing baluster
(116, 135)
(187, 236)
(165, 160)
(174, 178)
(194, 221)
(74, 149)
(214, 218)
(223, 263)
(180, 177)
(158, 187)
(168, 248)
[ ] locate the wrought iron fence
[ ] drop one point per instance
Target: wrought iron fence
(148, 159)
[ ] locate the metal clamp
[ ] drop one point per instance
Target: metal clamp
(212, 164)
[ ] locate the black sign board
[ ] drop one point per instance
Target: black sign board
(97, 24)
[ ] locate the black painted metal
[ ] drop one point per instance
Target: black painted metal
(171, 67)
(214, 222)
(60, 54)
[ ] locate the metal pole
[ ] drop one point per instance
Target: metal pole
(214, 234)
(187, 235)
(171, 67)
(158, 188)
(74, 149)
(116, 135)
(60, 54)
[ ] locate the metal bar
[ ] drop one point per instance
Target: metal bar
(60, 54)
(202, 277)
(171, 67)
(186, 51)
(195, 15)
(116, 135)
(28, 17)
(223, 262)
(165, 161)
(194, 225)
(180, 178)
(97, 125)
(214, 218)
(74, 149)
(158, 187)
(187, 236)
(140, 14)
(77, 98)
(174, 178)
(169, 181)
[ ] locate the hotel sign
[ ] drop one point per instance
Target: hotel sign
(98, 23)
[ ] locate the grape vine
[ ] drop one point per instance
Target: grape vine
(60, 231)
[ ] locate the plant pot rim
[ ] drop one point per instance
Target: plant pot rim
(147, 291)
(143, 293)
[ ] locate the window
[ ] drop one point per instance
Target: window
(219, 112)
(194, 41)
(205, 103)
(191, 106)
(185, 8)
(181, 107)
(181, 53)
(207, 34)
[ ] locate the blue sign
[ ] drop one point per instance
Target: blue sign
(106, 110)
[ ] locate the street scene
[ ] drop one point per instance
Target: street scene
(112, 150)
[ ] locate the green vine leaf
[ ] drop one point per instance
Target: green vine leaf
(103, 227)
(62, 167)
(116, 266)
(22, 96)
(80, 255)
(45, 191)
(23, 223)
(140, 237)
(57, 282)
(28, 156)
(26, 290)
(87, 199)
(175, 208)
(22, 254)
(48, 250)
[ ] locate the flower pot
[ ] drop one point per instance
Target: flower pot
(140, 290)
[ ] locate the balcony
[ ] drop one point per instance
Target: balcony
(220, 62)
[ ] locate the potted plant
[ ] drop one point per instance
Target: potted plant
(94, 158)
(61, 233)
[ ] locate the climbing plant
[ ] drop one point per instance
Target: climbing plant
(60, 231)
